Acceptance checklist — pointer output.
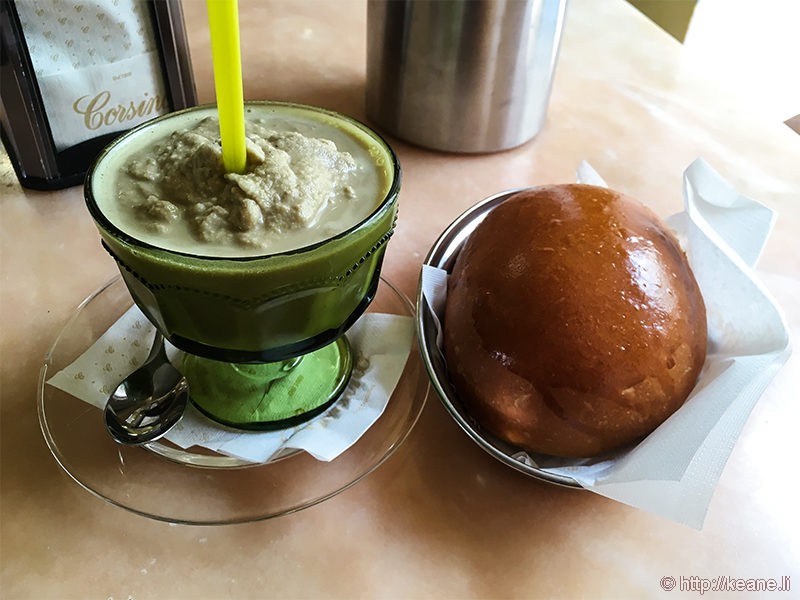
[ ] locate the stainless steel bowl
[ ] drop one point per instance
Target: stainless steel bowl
(443, 255)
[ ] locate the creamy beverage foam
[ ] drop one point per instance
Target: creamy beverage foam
(308, 178)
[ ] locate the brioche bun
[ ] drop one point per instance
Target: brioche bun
(573, 324)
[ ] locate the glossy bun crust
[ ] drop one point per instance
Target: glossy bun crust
(573, 323)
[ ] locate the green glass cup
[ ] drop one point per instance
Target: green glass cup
(263, 335)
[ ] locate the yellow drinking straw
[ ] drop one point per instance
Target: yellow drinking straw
(223, 19)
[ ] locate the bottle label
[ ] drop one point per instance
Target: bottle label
(96, 63)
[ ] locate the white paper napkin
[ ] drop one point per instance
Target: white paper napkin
(93, 58)
(381, 345)
(673, 472)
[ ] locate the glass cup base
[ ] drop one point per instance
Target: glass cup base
(269, 396)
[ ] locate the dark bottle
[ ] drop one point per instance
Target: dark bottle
(75, 75)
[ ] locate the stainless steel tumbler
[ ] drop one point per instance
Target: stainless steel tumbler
(462, 75)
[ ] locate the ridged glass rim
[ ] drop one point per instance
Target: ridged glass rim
(105, 222)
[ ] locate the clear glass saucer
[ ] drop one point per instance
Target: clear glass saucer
(167, 483)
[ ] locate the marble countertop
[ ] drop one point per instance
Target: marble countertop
(441, 518)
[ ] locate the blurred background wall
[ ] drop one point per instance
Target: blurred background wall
(752, 44)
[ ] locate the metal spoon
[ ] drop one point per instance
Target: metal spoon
(149, 401)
